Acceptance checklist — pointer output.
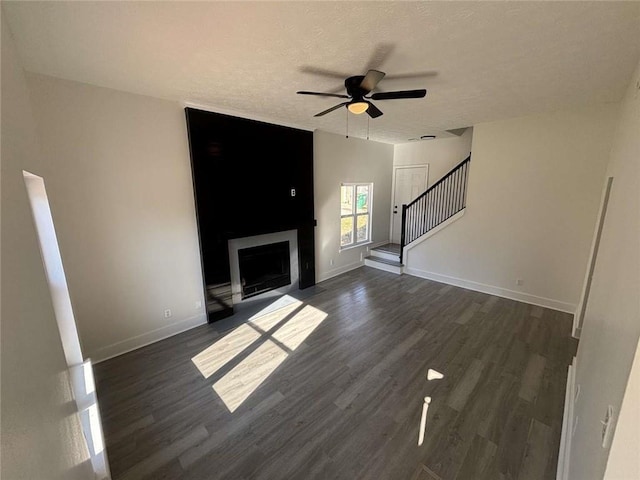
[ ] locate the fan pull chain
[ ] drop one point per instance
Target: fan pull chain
(347, 110)
(368, 118)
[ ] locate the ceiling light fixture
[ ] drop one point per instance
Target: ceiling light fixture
(358, 107)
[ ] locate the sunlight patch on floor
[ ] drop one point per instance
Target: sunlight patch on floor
(270, 336)
(241, 381)
(269, 320)
(296, 330)
(214, 357)
(211, 359)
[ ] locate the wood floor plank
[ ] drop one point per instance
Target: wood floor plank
(463, 389)
(532, 378)
(480, 457)
(538, 452)
(345, 398)
(125, 432)
(536, 311)
(424, 473)
(193, 454)
(468, 313)
(155, 461)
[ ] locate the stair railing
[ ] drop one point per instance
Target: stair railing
(440, 202)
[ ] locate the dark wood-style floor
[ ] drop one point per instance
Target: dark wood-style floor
(333, 387)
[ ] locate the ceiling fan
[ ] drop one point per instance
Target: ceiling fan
(358, 88)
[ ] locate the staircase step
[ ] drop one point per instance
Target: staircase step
(389, 251)
(380, 263)
(388, 247)
(394, 257)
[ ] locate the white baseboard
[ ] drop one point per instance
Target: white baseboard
(334, 272)
(493, 290)
(562, 472)
(139, 341)
(383, 266)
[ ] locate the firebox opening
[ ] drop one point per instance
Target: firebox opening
(264, 268)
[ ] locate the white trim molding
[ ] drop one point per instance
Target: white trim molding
(334, 272)
(139, 341)
(237, 244)
(562, 472)
(493, 290)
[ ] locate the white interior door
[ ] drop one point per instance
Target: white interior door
(408, 184)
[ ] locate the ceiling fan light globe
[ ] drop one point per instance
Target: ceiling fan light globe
(358, 107)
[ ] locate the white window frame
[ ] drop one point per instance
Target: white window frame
(355, 214)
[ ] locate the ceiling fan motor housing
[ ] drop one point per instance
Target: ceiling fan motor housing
(352, 84)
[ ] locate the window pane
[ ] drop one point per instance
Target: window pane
(362, 199)
(346, 200)
(363, 228)
(346, 231)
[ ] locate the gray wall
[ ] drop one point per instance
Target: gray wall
(612, 321)
(41, 434)
(118, 176)
(441, 154)
(532, 201)
(336, 160)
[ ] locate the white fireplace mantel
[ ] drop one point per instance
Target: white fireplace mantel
(255, 241)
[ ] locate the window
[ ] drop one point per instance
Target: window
(355, 213)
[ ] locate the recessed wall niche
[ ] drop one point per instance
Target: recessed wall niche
(250, 178)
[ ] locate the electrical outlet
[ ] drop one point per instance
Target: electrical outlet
(331, 262)
(198, 304)
(519, 282)
(361, 256)
(167, 313)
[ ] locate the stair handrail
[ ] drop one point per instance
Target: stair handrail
(445, 176)
(461, 199)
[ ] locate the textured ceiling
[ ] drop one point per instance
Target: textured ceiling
(480, 61)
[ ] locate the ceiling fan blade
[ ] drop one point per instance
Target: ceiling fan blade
(329, 110)
(302, 92)
(399, 94)
(323, 72)
(380, 55)
(371, 79)
(373, 111)
(404, 76)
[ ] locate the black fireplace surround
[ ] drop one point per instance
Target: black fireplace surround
(250, 178)
(264, 268)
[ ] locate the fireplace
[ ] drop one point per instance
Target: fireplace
(264, 268)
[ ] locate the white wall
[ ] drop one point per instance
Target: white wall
(624, 458)
(532, 202)
(41, 433)
(612, 320)
(442, 154)
(118, 177)
(338, 159)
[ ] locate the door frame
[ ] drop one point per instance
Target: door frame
(393, 190)
(578, 318)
